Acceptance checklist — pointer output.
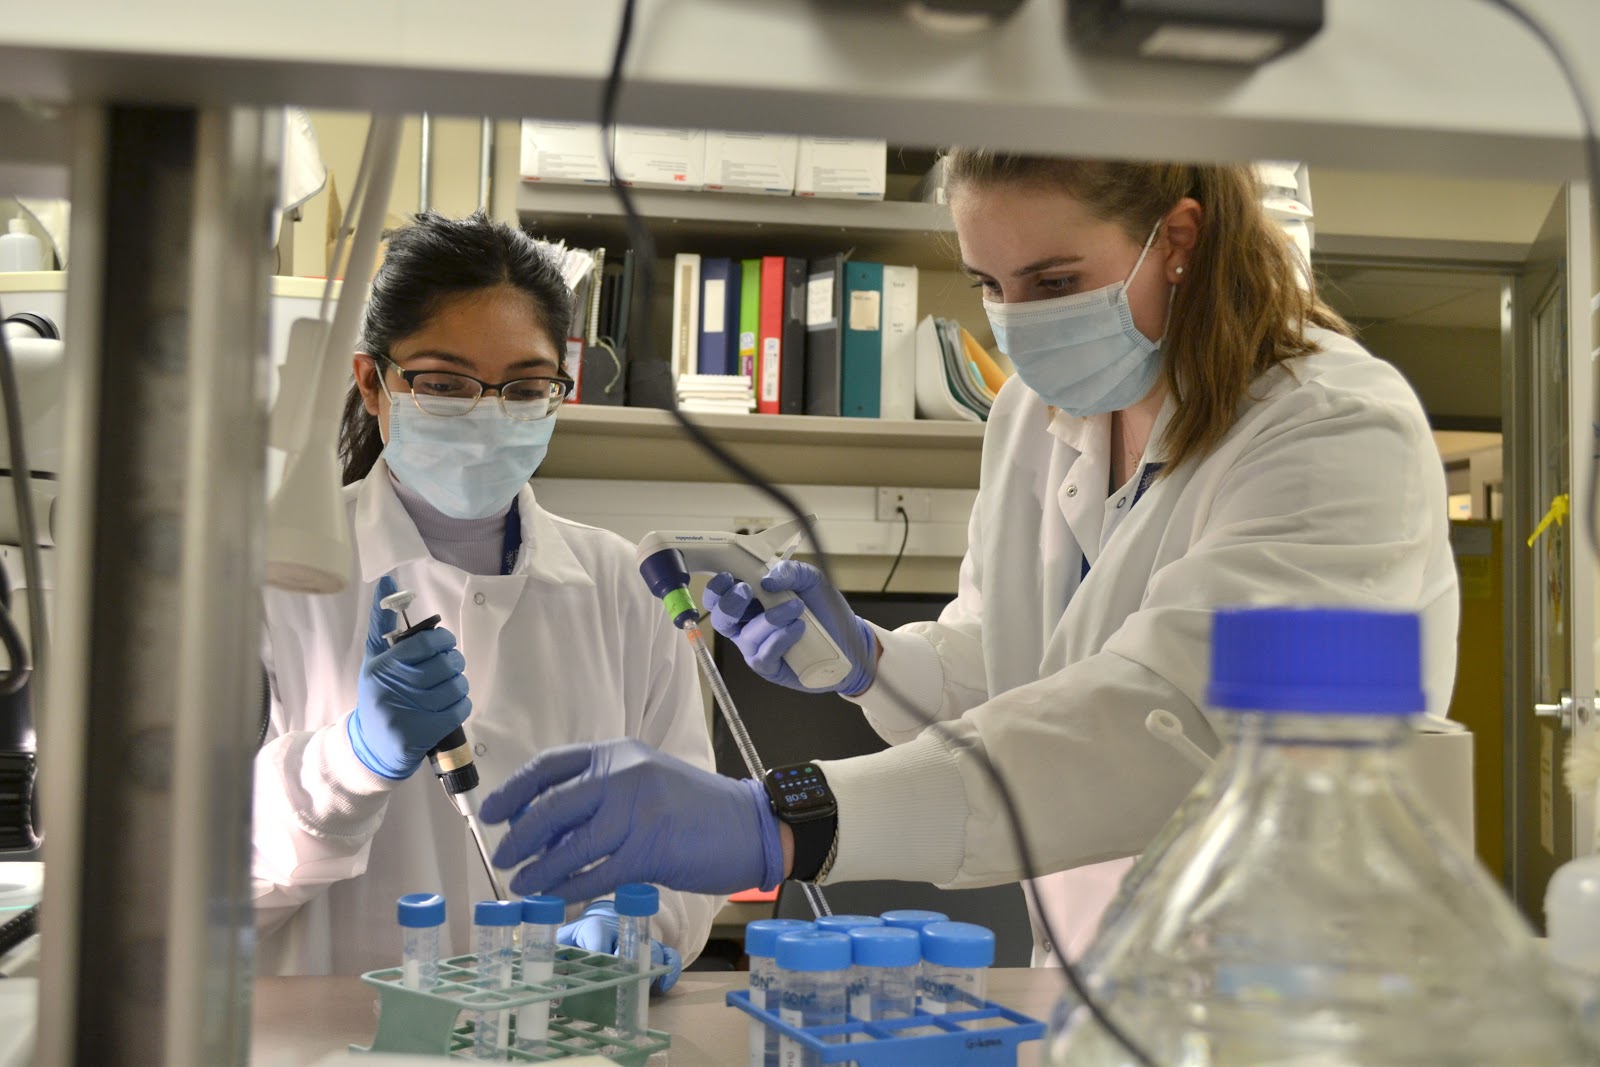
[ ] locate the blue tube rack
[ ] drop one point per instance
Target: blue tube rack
(426, 1021)
(984, 1037)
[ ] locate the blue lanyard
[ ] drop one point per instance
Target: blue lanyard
(1146, 480)
(512, 546)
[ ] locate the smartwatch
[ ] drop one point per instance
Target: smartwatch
(799, 796)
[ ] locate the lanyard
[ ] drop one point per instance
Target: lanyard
(512, 546)
(1146, 480)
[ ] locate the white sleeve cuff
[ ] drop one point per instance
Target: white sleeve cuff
(350, 794)
(902, 813)
(908, 693)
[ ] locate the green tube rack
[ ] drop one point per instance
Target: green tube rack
(430, 1022)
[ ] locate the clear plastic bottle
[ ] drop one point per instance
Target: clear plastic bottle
(813, 974)
(541, 916)
(761, 945)
(493, 922)
(420, 916)
(956, 958)
(1324, 917)
(635, 904)
(883, 978)
(1572, 920)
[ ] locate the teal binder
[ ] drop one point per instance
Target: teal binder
(861, 377)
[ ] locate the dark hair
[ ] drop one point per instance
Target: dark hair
(425, 264)
(1241, 309)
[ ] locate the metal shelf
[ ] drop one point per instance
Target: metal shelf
(730, 224)
(652, 423)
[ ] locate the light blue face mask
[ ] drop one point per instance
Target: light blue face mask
(468, 466)
(1081, 352)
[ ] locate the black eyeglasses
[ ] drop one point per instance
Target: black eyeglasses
(448, 394)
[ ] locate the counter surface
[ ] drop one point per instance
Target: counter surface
(300, 1020)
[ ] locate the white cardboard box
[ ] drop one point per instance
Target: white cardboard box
(661, 158)
(841, 168)
(751, 162)
(563, 152)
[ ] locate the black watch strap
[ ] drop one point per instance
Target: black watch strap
(800, 797)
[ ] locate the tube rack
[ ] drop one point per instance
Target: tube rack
(984, 1036)
(582, 1024)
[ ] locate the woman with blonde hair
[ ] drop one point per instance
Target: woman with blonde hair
(1189, 427)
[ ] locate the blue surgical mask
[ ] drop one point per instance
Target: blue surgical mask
(1081, 352)
(467, 466)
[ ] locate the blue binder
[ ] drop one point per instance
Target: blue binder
(861, 372)
(719, 316)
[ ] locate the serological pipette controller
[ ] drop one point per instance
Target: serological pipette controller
(668, 557)
(451, 759)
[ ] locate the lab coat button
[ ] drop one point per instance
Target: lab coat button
(481, 749)
(478, 599)
(1121, 501)
(1072, 490)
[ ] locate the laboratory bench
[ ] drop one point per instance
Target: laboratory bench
(300, 1020)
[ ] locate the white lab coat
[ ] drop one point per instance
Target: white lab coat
(1328, 490)
(569, 647)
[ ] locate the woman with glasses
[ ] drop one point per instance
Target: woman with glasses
(457, 388)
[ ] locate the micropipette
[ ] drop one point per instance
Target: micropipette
(451, 758)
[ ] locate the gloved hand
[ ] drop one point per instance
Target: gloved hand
(409, 696)
(765, 636)
(650, 817)
(596, 931)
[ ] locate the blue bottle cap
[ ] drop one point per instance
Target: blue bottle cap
(813, 950)
(1343, 660)
(637, 899)
(843, 924)
(497, 913)
(420, 910)
(885, 946)
(958, 945)
(761, 936)
(544, 911)
(911, 919)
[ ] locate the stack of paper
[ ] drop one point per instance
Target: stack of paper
(956, 377)
(716, 394)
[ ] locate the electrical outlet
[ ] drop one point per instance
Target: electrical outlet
(918, 504)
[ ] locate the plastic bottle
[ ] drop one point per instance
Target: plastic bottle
(956, 958)
(420, 916)
(19, 249)
(1325, 917)
(912, 919)
(493, 922)
(883, 978)
(541, 916)
(761, 945)
(1572, 920)
(635, 904)
(813, 973)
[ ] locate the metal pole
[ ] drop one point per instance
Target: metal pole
(485, 165)
(425, 166)
(146, 740)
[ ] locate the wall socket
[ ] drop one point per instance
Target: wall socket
(918, 504)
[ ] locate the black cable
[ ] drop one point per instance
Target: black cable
(644, 250)
(1591, 146)
(18, 929)
(905, 539)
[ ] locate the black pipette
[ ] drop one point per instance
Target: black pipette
(451, 758)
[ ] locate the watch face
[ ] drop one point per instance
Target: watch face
(801, 789)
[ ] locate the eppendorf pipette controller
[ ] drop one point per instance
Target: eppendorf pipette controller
(667, 558)
(451, 758)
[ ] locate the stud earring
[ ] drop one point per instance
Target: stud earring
(1178, 271)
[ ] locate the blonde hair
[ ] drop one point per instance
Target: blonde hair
(1240, 309)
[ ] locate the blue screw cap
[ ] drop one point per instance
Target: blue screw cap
(636, 899)
(912, 919)
(761, 936)
(1332, 660)
(843, 924)
(885, 946)
(958, 945)
(497, 913)
(544, 911)
(418, 911)
(813, 950)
